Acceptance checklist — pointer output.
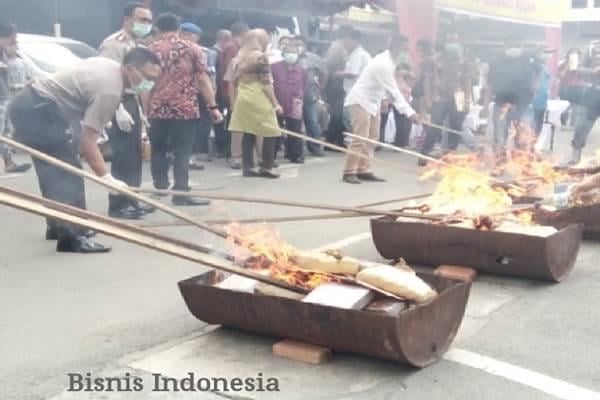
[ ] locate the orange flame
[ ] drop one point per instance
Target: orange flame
(463, 190)
(261, 247)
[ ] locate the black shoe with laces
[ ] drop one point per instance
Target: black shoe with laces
(190, 201)
(81, 245)
(130, 213)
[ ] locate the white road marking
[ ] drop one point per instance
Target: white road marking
(11, 176)
(340, 244)
(552, 386)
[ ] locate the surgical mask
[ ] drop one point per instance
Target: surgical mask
(145, 85)
(290, 58)
(514, 52)
(141, 30)
(402, 58)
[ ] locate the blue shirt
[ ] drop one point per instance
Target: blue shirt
(540, 101)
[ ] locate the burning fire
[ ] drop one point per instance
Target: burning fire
(462, 190)
(261, 247)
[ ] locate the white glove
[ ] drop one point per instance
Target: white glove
(115, 182)
(124, 120)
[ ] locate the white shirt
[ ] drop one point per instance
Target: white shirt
(375, 83)
(355, 64)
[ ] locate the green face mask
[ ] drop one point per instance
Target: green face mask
(141, 30)
(145, 85)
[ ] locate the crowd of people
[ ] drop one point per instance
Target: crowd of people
(155, 78)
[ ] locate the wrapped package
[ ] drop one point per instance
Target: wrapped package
(322, 262)
(399, 282)
(533, 230)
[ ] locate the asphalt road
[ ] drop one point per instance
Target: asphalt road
(122, 313)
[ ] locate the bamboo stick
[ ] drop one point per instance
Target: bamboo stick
(149, 240)
(288, 203)
(127, 192)
(341, 149)
(422, 156)
(317, 217)
(78, 212)
(154, 241)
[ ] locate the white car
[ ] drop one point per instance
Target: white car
(46, 54)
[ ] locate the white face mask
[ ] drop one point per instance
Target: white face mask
(290, 58)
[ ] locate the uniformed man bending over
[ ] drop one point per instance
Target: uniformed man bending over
(89, 91)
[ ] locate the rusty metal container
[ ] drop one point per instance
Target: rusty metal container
(417, 336)
(589, 216)
(540, 258)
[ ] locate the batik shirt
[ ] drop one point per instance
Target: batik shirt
(176, 93)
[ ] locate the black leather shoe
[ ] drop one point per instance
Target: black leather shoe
(81, 245)
(145, 210)
(130, 213)
(190, 202)
(297, 160)
(268, 174)
(17, 168)
(352, 179)
(250, 174)
(197, 167)
(369, 177)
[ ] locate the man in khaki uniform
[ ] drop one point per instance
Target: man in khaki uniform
(125, 133)
(88, 92)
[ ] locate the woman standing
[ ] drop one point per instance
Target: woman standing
(255, 107)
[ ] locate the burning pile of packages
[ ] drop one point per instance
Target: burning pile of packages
(262, 248)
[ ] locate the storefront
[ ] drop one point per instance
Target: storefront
(484, 22)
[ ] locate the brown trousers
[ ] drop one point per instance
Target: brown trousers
(365, 125)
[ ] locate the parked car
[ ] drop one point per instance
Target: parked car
(48, 53)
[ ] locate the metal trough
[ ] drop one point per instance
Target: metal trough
(417, 336)
(548, 259)
(589, 216)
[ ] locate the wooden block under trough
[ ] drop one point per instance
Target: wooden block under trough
(302, 352)
(342, 296)
(456, 272)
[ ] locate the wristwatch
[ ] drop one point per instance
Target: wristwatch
(211, 108)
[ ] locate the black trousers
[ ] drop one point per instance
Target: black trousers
(38, 124)
(440, 111)
(176, 136)
(222, 134)
(126, 148)
(201, 142)
(294, 147)
(268, 152)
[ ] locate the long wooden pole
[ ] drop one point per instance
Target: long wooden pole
(341, 149)
(289, 203)
(78, 212)
(137, 236)
(49, 209)
(127, 192)
(419, 155)
(300, 218)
